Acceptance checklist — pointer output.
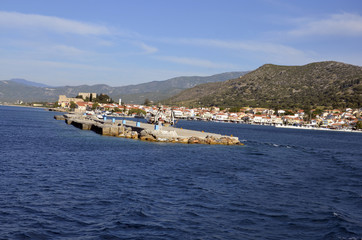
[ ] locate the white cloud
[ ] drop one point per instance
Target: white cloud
(252, 50)
(43, 64)
(54, 24)
(68, 50)
(254, 46)
(196, 62)
(345, 24)
(146, 48)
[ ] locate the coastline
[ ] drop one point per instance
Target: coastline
(289, 126)
(319, 129)
(15, 105)
(276, 126)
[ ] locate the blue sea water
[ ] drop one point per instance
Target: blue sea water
(59, 182)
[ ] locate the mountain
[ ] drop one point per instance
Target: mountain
(28, 83)
(13, 90)
(328, 83)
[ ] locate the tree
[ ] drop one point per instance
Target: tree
(234, 109)
(317, 111)
(359, 125)
(72, 105)
(116, 109)
(276, 109)
(307, 112)
(288, 113)
(103, 98)
(56, 104)
(94, 106)
(147, 102)
(137, 111)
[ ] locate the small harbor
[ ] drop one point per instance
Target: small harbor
(145, 131)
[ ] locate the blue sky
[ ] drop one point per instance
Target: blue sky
(119, 42)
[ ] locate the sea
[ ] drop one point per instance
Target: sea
(60, 182)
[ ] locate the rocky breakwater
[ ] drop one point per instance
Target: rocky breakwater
(146, 132)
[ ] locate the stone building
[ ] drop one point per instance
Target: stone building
(88, 95)
(64, 101)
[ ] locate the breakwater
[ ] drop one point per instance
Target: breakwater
(145, 131)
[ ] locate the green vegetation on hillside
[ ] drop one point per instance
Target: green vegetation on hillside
(330, 84)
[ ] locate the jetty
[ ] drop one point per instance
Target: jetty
(145, 131)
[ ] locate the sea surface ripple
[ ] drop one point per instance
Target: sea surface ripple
(59, 182)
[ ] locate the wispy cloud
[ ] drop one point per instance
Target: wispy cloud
(196, 62)
(39, 64)
(50, 23)
(147, 49)
(345, 24)
(252, 50)
(254, 46)
(68, 50)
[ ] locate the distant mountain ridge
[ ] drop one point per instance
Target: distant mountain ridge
(28, 83)
(328, 83)
(20, 89)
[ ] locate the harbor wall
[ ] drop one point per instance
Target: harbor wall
(144, 131)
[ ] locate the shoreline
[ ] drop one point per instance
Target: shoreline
(319, 129)
(270, 125)
(288, 126)
(15, 105)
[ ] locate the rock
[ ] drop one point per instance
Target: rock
(128, 134)
(134, 135)
(235, 141)
(147, 137)
(163, 134)
(210, 140)
(195, 140)
(162, 139)
(222, 140)
(121, 130)
(183, 140)
(143, 133)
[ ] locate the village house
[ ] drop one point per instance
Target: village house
(221, 116)
(81, 106)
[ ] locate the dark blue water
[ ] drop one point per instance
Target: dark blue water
(59, 182)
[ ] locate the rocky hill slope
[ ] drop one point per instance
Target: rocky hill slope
(329, 83)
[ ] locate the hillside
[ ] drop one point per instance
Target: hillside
(317, 84)
(13, 90)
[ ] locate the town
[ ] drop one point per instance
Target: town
(329, 119)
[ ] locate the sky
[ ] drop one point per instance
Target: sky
(124, 42)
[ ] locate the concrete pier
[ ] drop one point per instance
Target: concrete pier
(145, 131)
